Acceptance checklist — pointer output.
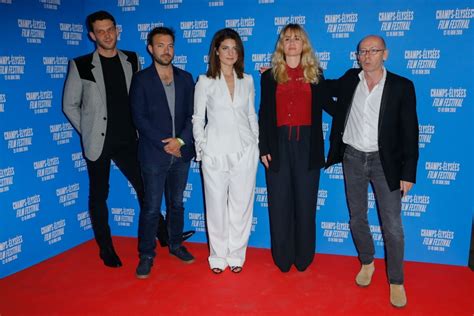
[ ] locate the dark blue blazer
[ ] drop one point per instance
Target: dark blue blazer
(152, 117)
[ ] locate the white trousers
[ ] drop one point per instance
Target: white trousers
(229, 188)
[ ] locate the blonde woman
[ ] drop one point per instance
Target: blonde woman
(292, 147)
(227, 146)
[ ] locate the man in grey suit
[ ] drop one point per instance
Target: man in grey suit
(96, 102)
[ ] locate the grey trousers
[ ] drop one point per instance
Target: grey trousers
(360, 169)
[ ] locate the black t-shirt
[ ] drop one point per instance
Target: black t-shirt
(120, 129)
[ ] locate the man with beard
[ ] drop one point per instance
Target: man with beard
(161, 99)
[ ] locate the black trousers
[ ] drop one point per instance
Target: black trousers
(292, 194)
(125, 157)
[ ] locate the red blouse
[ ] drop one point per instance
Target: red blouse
(293, 100)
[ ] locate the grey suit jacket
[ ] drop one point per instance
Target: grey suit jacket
(84, 98)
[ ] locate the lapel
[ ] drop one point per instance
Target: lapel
(352, 86)
(272, 94)
(178, 94)
(383, 102)
(158, 89)
(127, 68)
(99, 76)
(238, 86)
(224, 88)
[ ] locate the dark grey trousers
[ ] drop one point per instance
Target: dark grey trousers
(360, 169)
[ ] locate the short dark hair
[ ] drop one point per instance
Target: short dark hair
(160, 30)
(214, 69)
(98, 16)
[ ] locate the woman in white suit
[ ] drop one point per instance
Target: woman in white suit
(227, 146)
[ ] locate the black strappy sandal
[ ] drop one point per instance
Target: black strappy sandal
(217, 270)
(236, 269)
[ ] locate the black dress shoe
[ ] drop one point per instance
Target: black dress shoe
(110, 257)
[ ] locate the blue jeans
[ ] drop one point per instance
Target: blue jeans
(169, 178)
(360, 168)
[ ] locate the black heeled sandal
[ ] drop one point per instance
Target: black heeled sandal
(217, 270)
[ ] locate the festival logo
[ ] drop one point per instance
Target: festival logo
(442, 172)
(46, 169)
(61, 133)
(437, 240)
(396, 23)
(56, 66)
(79, 161)
(33, 30)
(19, 140)
(72, 33)
(194, 31)
(453, 22)
(12, 67)
(425, 134)
(68, 195)
(39, 101)
(448, 100)
(281, 21)
(27, 208)
(197, 221)
(341, 25)
(415, 205)
(84, 220)
(10, 249)
(335, 232)
(422, 61)
(243, 26)
(123, 216)
(53, 233)
(6, 178)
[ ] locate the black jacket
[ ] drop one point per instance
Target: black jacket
(397, 125)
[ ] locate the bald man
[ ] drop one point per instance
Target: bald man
(375, 135)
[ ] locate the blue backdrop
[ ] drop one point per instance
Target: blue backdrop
(43, 178)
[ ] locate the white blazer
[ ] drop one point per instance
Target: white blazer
(231, 125)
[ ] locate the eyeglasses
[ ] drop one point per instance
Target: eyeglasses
(372, 51)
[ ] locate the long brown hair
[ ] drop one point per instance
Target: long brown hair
(214, 69)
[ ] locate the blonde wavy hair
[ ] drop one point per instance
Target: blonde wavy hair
(309, 62)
